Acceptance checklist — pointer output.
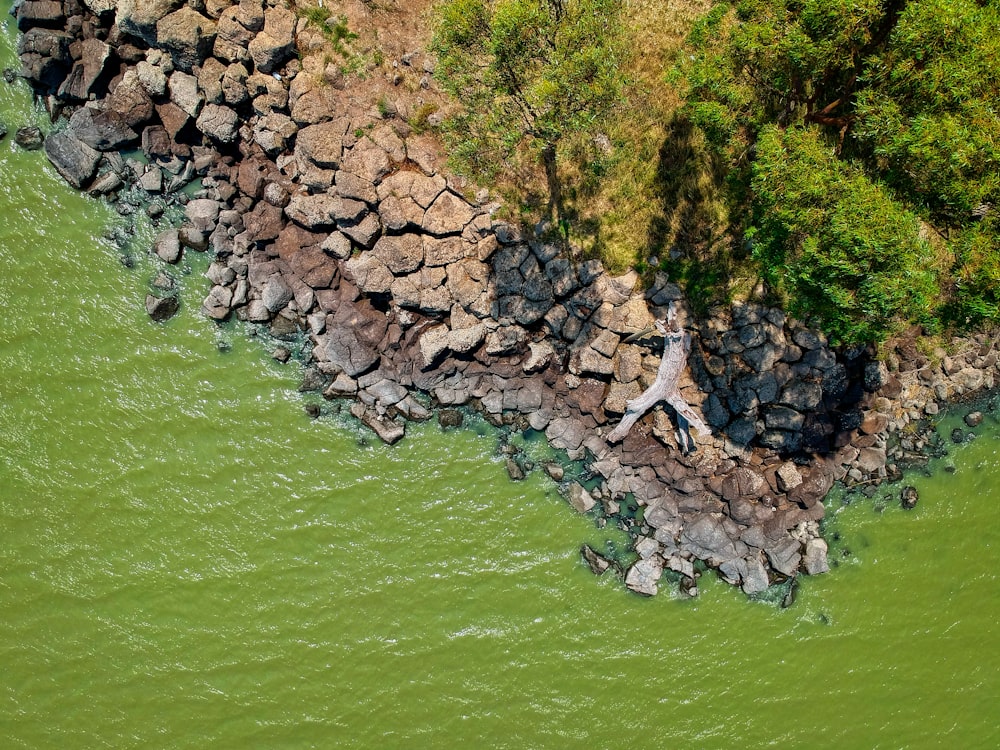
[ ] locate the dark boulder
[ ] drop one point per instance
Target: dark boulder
(908, 498)
(104, 131)
(29, 138)
(161, 308)
(73, 159)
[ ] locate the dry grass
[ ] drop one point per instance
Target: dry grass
(655, 190)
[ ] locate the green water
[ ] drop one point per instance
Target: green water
(188, 561)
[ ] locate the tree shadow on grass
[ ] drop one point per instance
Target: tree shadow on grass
(694, 233)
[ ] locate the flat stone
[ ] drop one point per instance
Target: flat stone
(644, 575)
(103, 131)
(219, 122)
(449, 214)
(73, 159)
(187, 35)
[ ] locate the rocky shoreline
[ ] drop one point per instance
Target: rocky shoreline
(331, 217)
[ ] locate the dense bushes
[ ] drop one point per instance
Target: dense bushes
(838, 245)
(890, 119)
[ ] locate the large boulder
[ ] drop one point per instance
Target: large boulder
(45, 57)
(449, 214)
(218, 122)
(187, 35)
(323, 144)
(275, 45)
(104, 131)
(140, 17)
(35, 13)
(352, 337)
(73, 159)
(131, 100)
(91, 59)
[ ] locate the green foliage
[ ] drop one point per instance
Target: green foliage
(529, 74)
(928, 116)
(890, 116)
(844, 252)
(977, 274)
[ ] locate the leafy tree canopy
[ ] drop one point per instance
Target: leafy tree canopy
(528, 73)
(901, 98)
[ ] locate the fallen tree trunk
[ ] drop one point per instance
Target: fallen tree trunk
(676, 345)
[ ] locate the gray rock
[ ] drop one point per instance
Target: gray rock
(30, 138)
(433, 343)
(203, 213)
(139, 17)
(785, 556)
(161, 308)
(974, 419)
(368, 161)
(449, 214)
(104, 131)
(73, 159)
(312, 211)
(219, 122)
(184, 92)
(322, 144)
(388, 430)
(167, 246)
(352, 338)
(814, 561)
(801, 395)
(275, 44)
(187, 35)
(706, 538)
(643, 576)
(152, 77)
(597, 563)
(783, 418)
(93, 55)
(130, 100)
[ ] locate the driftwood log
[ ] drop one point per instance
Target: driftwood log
(676, 345)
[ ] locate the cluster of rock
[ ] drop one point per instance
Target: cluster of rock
(329, 219)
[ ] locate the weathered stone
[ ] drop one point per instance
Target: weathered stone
(139, 17)
(187, 35)
(91, 59)
(909, 498)
(73, 159)
(801, 395)
(580, 498)
(275, 44)
(706, 538)
(104, 131)
(219, 122)
(352, 338)
(789, 477)
(322, 144)
(785, 556)
(449, 214)
(184, 92)
(370, 274)
(312, 211)
(130, 100)
(365, 232)
(168, 246)
(388, 430)
(401, 253)
(203, 213)
(433, 343)
(597, 563)
(161, 308)
(643, 576)
(367, 160)
(814, 561)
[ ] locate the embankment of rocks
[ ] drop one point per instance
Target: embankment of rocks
(329, 217)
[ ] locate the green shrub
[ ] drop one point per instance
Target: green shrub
(844, 252)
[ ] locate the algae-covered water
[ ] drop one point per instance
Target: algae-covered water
(188, 561)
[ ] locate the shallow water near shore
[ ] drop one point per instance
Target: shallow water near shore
(187, 560)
